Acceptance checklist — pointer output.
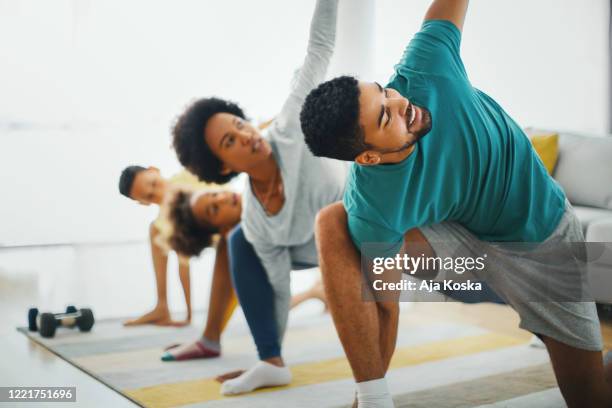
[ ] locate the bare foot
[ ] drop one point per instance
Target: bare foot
(159, 316)
(317, 291)
(228, 376)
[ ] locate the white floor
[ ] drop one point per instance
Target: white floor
(114, 280)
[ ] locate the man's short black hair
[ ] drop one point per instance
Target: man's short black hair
(189, 237)
(126, 180)
(191, 148)
(330, 120)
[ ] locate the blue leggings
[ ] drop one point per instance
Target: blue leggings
(255, 294)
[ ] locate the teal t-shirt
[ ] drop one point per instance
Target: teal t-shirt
(476, 166)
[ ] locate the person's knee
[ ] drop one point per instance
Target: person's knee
(333, 240)
(330, 222)
(236, 249)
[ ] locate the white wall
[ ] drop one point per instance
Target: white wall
(88, 86)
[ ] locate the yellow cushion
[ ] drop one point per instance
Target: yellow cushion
(546, 146)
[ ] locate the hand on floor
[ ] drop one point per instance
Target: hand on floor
(228, 376)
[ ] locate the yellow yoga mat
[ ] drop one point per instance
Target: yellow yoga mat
(188, 392)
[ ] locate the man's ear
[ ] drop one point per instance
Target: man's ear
(368, 158)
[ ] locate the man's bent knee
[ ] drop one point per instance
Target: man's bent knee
(330, 220)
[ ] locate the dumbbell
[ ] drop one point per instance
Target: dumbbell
(33, 314)
(47, 323)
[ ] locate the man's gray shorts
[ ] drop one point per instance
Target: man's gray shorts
(545, 283)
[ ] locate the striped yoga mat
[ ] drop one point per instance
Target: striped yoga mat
(436, 364)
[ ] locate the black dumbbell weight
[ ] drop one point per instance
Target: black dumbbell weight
(85, 321)
(32, 315)
(48, 322)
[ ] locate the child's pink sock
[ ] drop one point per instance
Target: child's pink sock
(202, 348)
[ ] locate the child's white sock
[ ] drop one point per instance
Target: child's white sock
(260, 375)
(374, 394)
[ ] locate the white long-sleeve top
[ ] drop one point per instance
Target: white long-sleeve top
(310, 183)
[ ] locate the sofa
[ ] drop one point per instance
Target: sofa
(584, 170)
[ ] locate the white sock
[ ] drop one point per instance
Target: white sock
(536, 342)
(260, 375)
(374, 394)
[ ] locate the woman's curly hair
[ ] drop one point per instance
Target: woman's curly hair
(189, 237)
(188, 139)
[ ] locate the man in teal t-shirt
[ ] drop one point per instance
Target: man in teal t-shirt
(465, 159)
(436, 158)
(474, 166)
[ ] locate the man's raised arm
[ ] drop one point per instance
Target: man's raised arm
(451, 10)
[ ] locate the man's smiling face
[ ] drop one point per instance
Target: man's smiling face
(391, 123)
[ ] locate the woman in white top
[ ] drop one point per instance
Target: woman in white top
(287, 187)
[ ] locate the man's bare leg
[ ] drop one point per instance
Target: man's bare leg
(341, 270)
(367, 330)
(358, 323)
(580, 374)
(160, 315)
